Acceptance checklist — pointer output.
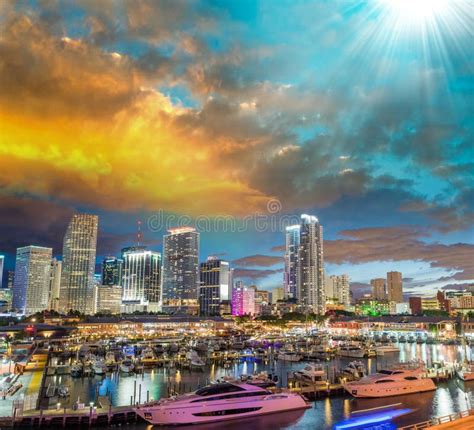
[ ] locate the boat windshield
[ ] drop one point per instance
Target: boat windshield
(212, 390)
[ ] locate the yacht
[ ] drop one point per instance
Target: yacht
(386, 349)
(76, 370)
(195, 362)
(148, 357)
(391, 382)
(311, 373)
(220, 402)
(354, 370)
(99, 367)
(289, 356)
(352, 351)
(126, 366)
(466, 372)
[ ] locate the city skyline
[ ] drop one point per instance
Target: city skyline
(358, 121)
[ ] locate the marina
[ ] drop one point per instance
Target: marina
(114, 379)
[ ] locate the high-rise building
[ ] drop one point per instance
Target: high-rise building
(261, 299)
(337, 289)
(278, 294)
(395, 287)
(108, 299)
(31, 287)
(214, 286)
(243, 300)
(2, 264)
(291, 261)
(181, 270)
(379, 289)
(141, 278)
(311, 294)
(54, 284)
(112, 268)
(79, 251)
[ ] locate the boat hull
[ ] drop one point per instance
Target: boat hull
(466, 376)
(201, 412)
(392, 389)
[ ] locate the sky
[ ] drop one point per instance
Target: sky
(238, 116)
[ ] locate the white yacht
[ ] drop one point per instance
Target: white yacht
(289, 356)
(127, 366)
(311, 373)
(99, 367)
(386, 349)
(220, 402)
(352, 351)
(391, 382)
(194, 360)
(466, 372)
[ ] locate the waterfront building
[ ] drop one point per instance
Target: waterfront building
(379, 288)
(243, 300)
(181, 271)
(108, 299)
(141, 279)
(420, 304)
(214, 286)
(337, 289)
(32, 272)
(310, 280)
(153, 326)
(78, 264)
(2, 264)
(367, 306)
(290, 277)
(5, 299)
(54, 284)
(395, 287)
(262, 298)
(460, 299)
(278, 294)
(112, 271)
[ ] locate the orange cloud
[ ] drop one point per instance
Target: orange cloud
(77, 124)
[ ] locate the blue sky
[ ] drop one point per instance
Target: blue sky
(360, 112)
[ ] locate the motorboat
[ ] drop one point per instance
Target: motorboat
(99, 367)
(76, 370)
(466, 372)
(402, 339)
(148, 357)
(396, 381)
(311, 373)
(420, 340)
(195, 362)
(352, 351)
(355, 370)
(63, 391)
(127, 366)
(386, 349)
(220, 402)
(289, 356)
(110, 361)
(262, 379)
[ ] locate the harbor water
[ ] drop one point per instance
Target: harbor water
(153, 384)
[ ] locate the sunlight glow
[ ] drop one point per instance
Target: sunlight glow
(416, 11)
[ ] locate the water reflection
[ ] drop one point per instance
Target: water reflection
(448, 398)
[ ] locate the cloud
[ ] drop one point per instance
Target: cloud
(254, 274)
(258, 260)
(400, 244)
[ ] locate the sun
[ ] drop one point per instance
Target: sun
(417, 12)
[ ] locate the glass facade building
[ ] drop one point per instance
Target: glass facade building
(214, 286)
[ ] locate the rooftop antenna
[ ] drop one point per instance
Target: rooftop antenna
(139, 232)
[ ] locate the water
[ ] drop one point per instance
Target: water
(450, 397)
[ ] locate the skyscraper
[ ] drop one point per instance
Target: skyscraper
(310, 280)
(214, 286)
(31, 286)
(2, 264)
(243, 300)
(112, 268)
(54, 284)
(291, 261)
(79, 250)
(395, 287)
(379, 290)
(181, 270)
(141, 278)
(337, 288)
